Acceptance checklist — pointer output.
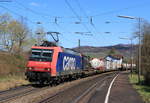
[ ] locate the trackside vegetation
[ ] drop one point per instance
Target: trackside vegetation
(15, 39)
(12, 69)
(142, 89)
(11, 81)
(145, 50)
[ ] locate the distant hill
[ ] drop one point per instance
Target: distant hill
(123, 49)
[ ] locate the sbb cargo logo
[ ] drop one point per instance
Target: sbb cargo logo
(69, 63)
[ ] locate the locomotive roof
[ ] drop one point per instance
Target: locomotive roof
(47, 44)
(71, 51)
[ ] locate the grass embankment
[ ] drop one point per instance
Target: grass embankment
(143, 90)
(11, 70)
(11, 81)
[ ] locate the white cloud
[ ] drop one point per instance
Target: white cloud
(34, 4)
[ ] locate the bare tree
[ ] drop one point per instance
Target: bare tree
(18, 33)
(4, 34)
(40, 35)
(145, 59)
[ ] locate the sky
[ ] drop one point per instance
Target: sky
(103, 13)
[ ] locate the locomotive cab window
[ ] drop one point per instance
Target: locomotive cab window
(41, 55)
(36, 52)
(47, 53)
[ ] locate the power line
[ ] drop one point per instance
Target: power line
(42, 14)
(71, 8)
(16, 14)
(79, 17)
(81, 8)
(37, 13)
(91, 21)
(57, 26)
(85, 14)
(119, 10)
(46, 16)
(110, 12)
(32, 11)
(5, 1)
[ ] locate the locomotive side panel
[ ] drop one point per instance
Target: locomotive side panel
(68, 64)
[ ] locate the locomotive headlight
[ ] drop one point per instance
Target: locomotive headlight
(48, 69)
(30, 68)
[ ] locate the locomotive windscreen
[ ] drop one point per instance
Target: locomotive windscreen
(41, 55)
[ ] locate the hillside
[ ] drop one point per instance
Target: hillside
(123, 49)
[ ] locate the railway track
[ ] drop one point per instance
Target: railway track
(13, 89)
(86, 94)
(83, 96)
(18, 92)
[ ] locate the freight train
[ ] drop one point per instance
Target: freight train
(52, 64)
(110, 62)
(49, 63)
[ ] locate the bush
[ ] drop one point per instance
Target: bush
(11, 64)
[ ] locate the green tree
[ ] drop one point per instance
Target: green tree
(145, 52)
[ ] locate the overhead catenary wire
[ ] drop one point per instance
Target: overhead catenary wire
(71, 8)
(92, 16)
(74, 42)
(46, 16)
(37, 13)
(96, 15)
(5, 1)
(43, 14)
(119, 10)
(85, 14)
(16, 14)
(81, 8)
(73, 11)
(83, 11)
(33, 11)
(58, 26)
